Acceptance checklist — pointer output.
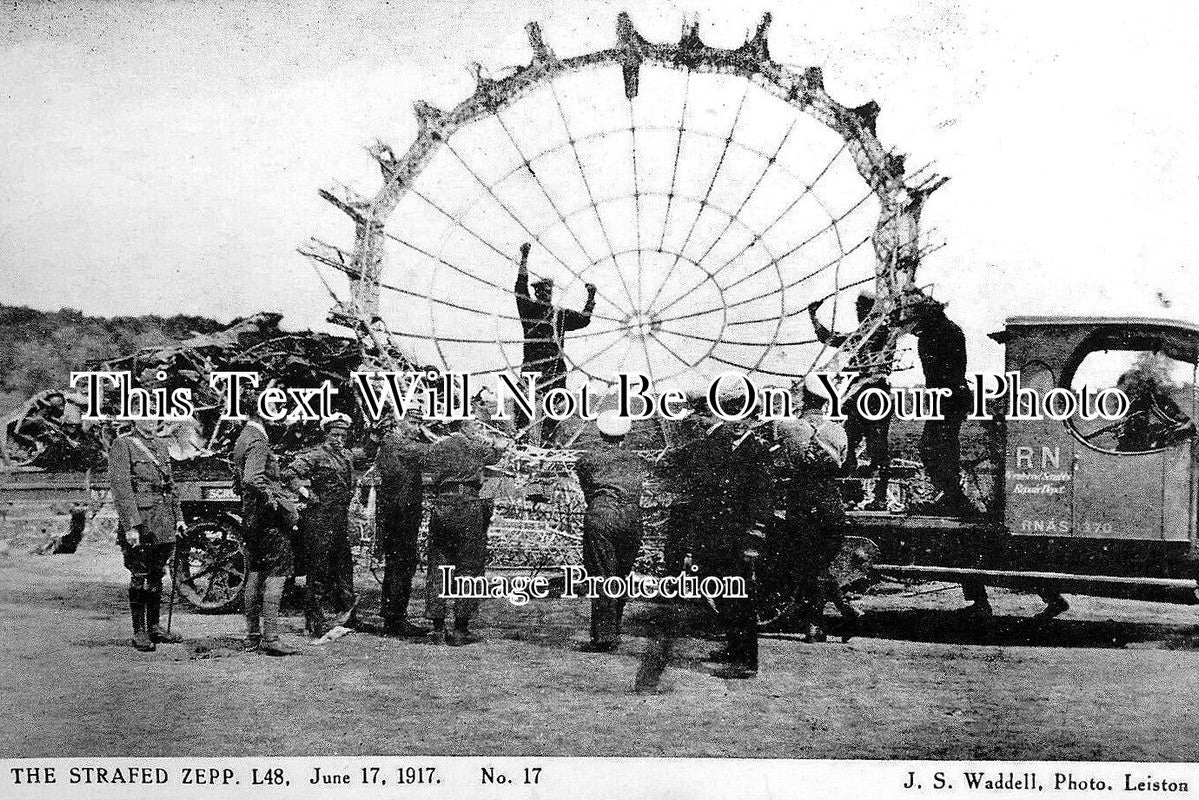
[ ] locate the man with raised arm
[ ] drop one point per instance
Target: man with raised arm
(545, 327)
(866, 361)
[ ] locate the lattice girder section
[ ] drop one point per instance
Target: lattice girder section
(895, 240)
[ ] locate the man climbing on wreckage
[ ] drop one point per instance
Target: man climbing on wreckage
(941, 346)
(545, 327)
(867, 361)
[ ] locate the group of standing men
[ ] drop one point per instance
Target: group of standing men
(457, 530)
(726, 480)
(727, 483)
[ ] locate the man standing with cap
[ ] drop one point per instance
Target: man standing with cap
(612, 479)
(867, 361)
(149, 517)
(545, 327)
(269, 518)
(329, 470)
(458, 521)
(397, 520)
(815, 448)
(941, 346)
(726, 480)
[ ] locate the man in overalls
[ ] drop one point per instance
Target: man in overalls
(611, 478)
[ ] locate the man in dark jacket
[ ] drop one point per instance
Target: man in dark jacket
(458, 522)
(611, 478)
(397, 521)
(269, 519)
(325, 522)
(545, 327)
(941, 346)
(726, 482)
(148, 518)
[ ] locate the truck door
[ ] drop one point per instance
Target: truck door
(1132, 476)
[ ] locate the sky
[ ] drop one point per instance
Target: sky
(165, 157)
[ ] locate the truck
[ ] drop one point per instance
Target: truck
(1081, 506)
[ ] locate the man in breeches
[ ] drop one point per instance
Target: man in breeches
(269, 519)
(149, 517)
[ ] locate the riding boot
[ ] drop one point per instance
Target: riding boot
(272, 594)
(462, 634)
(395, 616)
(153, 618)
(252, 600)
(137, 608)
(437, 635)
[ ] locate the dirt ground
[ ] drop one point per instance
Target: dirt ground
(1108, 680)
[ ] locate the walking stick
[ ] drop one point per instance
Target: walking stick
(174, 583)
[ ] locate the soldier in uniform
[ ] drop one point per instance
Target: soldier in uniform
(815, 449)
(725, 476)
(324, 524)
(397, 521)
(458, 521)
(269, 518)
(612, 479)
(149, 517)
(545, 327)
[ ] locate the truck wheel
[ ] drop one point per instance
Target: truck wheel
(211, 567)
(775, 601)
(775, 606)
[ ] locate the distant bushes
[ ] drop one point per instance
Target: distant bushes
(39, 349)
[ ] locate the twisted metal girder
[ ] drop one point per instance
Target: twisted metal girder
(894, 239)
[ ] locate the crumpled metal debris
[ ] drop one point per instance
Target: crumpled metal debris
(48, 430)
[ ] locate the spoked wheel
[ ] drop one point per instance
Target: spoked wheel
(211, 568)
(776, 605)
(775, 601)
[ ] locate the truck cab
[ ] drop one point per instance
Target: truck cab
(1086, 505)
